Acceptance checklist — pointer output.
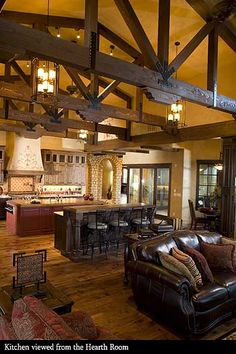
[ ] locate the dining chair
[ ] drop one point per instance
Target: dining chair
(196, 220)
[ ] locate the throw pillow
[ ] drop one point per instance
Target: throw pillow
(32, 319)
(218, 256)
(172, 264)
(228, 241)
(82, 323)
(200, 262)
(189, 263)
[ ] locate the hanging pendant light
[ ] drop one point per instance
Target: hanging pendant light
(175, 111)
(46, 81)
(45, 77)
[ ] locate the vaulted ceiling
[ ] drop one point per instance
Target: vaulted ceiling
(187, 18)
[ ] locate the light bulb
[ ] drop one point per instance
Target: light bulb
(170, 117)
(52, 74)
(40, 73)
(177, 116)
(179, 107)
(174, 108)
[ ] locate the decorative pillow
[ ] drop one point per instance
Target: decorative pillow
(32, 319)
(172, 264)
(82, 323)
(218, 256)
(200, 262)
(228, 241)
(189, 263)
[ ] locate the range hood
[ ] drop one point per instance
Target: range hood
(26, 158)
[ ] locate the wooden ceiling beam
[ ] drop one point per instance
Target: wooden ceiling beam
(212, 61)
(2, 3)
(70, 54)
(149, 56)
(200, 132)
(22, 93)
(109, 89)
(44, 20)
(226, 32)
(73, 73)
(227, 35)
(191, 46)
(44, 119)
(163, 33)
(112, 144)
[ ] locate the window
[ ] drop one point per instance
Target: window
(208, 179)
(83, 159)
(149, 184)
(77, 159)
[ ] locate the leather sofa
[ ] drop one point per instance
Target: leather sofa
(169, 296)
(31, 319)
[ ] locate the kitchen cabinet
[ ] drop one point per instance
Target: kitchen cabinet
(64, 168)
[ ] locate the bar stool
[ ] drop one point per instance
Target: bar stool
(97, 231)
(119, 225)
(146, 218)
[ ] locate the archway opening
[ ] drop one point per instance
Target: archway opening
(107, 179)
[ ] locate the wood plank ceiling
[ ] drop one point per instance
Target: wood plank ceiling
(106, 84)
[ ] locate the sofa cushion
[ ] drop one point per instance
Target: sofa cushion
(188, 238)
(228, 241)
(218, 256)
(32, 319)
(209, 237)
(6, 329)
(189, 263)
(200, 262)
(227, 280)
(171, 263)
(81, 323)
(210, 296)
(147, 250)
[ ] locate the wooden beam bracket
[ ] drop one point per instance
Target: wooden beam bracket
(93, 50)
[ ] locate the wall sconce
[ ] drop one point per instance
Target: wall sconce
(78, 35)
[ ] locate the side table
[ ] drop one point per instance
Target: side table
(54, 298)
(129, 240)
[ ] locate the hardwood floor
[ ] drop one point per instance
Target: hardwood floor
(94, 286)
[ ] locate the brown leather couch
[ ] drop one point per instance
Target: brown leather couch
(169, 296)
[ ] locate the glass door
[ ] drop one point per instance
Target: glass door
(162, 185)
(148, 175)
(134, 185)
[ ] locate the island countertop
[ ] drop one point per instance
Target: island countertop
(50, 202)
(25, 218)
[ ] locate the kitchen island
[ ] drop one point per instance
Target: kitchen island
(71, 224)
(26, 218)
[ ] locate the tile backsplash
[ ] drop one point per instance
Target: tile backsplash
(21, 184)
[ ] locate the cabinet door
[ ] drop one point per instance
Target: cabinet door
(70, 175)
(83, 175)
(61, 178)
(46, 217)
(1, 172)
(30, 221)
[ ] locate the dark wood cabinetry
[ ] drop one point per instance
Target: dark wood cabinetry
(64, 168)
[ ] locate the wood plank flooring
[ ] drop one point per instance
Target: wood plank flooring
(94, 286)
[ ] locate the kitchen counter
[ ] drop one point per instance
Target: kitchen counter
(52, 202)
(25, 218)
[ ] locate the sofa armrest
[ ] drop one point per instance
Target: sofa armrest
(158, 273)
